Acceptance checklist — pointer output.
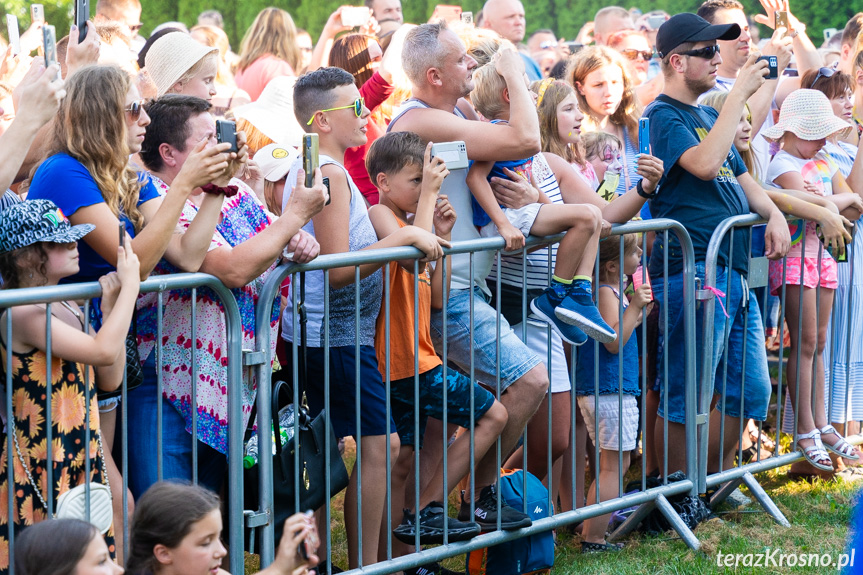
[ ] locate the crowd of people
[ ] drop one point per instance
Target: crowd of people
(640, 116)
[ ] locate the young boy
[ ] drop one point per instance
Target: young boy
(327, 102)
(409, 181)
(567, 304)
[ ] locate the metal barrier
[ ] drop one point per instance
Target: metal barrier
(727, 480)
(158, 285)
(647, 500)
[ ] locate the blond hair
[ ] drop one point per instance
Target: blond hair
(595, 142)
(215, 37)
(273, 32)
(555, 92)
(487, 95)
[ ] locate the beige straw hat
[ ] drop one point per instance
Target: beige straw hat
(808, 115)
(171, 56)
(273, 112)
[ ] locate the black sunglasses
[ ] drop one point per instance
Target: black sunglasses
(708, 52)
(134, 110)
(822, 73)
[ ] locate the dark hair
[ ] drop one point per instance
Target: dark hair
(390, 153)
(13, 264)
(832, 86)
(164, 515)
(314, 91)
(169, 124)
(852, 30)
(709, 9)
(351, 53)
(53, 547)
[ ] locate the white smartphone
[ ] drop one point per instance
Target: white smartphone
(354, 16)
(37, 14)
(12, 32)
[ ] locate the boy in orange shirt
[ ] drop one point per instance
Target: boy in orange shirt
(409, 182)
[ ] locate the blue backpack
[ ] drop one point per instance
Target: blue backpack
(529, 555)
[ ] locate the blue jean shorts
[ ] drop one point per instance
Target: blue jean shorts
(743, 382)
(516, 358)
(459, 390)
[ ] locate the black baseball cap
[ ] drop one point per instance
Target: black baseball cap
(688, 27)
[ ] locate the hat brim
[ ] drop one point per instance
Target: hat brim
(716, 32)
(73, 234)
(823, 129)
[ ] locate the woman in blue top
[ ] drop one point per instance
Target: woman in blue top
(87, 173)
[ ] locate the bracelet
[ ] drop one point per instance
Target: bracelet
(642, 193)
(227, 191)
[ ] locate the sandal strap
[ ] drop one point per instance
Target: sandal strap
(814, 434)
(828, 429)
(841, 447)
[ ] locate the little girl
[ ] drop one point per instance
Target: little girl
(38, 247)
(805, 121)
(618, 428)
(602, 151)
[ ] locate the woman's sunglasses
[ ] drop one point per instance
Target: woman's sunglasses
(822, 73)
(633, 54)
(708, 52)
(134, 110)
(358, 106)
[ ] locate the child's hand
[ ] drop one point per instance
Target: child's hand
(434, 172)
(428, 243)
(128, 267)
(444, 216)
(298, 527)
(514, 238)
(642, 296)
(110, 290)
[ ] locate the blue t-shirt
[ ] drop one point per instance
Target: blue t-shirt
(697, 204)
(66, 182)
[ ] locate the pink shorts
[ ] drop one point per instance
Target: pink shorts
(810, 273)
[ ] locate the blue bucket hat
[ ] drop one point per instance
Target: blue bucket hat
(34, 221)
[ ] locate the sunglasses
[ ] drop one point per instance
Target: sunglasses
(708, 52)
(134, 110)
(547, 45)
(633, 54)
(358, 106)
(135, 27)
(822, 73)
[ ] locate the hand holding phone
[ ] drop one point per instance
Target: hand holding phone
(772, 66)
(82, 14)
(226, 132)
(49, 46)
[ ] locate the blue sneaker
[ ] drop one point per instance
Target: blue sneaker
(578, 309)
(544, 307)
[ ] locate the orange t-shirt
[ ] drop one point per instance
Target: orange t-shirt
(402, 325)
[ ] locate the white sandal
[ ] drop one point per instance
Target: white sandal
(816, 452)
(841, 448)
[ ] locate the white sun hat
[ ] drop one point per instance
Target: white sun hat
(275, 161)
(808, 115)
(273, 112)
(171, 56)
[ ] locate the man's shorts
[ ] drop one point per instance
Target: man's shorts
(516, 359)
(459, 390)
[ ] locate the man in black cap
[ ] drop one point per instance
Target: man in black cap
(706, 182)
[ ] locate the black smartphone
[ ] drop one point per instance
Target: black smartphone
(226, 132)
(82, 14)
(49, 46)
(326, 182)
(773, 66)
(574, 46)
(122, 228)
(644, 136)
(311, 159)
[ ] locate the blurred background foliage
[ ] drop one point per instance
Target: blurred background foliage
(565, 17)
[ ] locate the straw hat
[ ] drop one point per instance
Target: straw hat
(171, 56)
(273, 112)
(808, 115)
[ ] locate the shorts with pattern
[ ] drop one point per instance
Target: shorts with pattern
(811, 276)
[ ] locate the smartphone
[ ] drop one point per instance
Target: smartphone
(829, 33)
(644, 136)
(446, 12)
(122, 228)
(82, 14)
(312, 541)
(467, 18)
(773, 66)
(37, 14)
(226, 132)
(49, 46)
(574, 46)
(12, 33)
(782, 20)
(353, 16)
(639, 278)
(311, 159)
(454, 154)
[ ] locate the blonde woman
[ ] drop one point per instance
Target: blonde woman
(269, 50)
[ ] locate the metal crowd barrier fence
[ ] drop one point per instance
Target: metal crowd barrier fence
(159, 285)
(647, 499)
(725, 481)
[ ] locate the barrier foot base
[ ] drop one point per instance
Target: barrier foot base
(632, 521)
(677, 523)
(764, 499)
(723, 492)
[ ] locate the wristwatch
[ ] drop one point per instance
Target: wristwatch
(642, 193)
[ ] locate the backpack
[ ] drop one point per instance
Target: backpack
(533, 554)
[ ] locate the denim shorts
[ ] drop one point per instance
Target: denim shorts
(746, 381)
(459, 390)
(516, 358)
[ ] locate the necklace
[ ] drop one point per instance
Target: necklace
(76, 312)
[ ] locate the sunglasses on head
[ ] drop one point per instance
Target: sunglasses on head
(134, 110)
(822, 73)
(358, 106)
(708, 52)
(633, 54)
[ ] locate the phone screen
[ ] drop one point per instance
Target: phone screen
(122, 229)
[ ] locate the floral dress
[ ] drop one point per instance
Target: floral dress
(69, 446)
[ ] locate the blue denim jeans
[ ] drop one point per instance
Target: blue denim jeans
(176, 442)
(745, 350)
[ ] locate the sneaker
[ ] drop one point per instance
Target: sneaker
(485, 512)
(432, 569)
(544, 307)
(431, 526)
(578, 309)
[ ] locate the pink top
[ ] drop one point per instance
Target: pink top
(376, 90)
(255, 78)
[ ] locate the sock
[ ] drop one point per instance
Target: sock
(560, 286)
(588, 279)
(561, 280)
(582, 284)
